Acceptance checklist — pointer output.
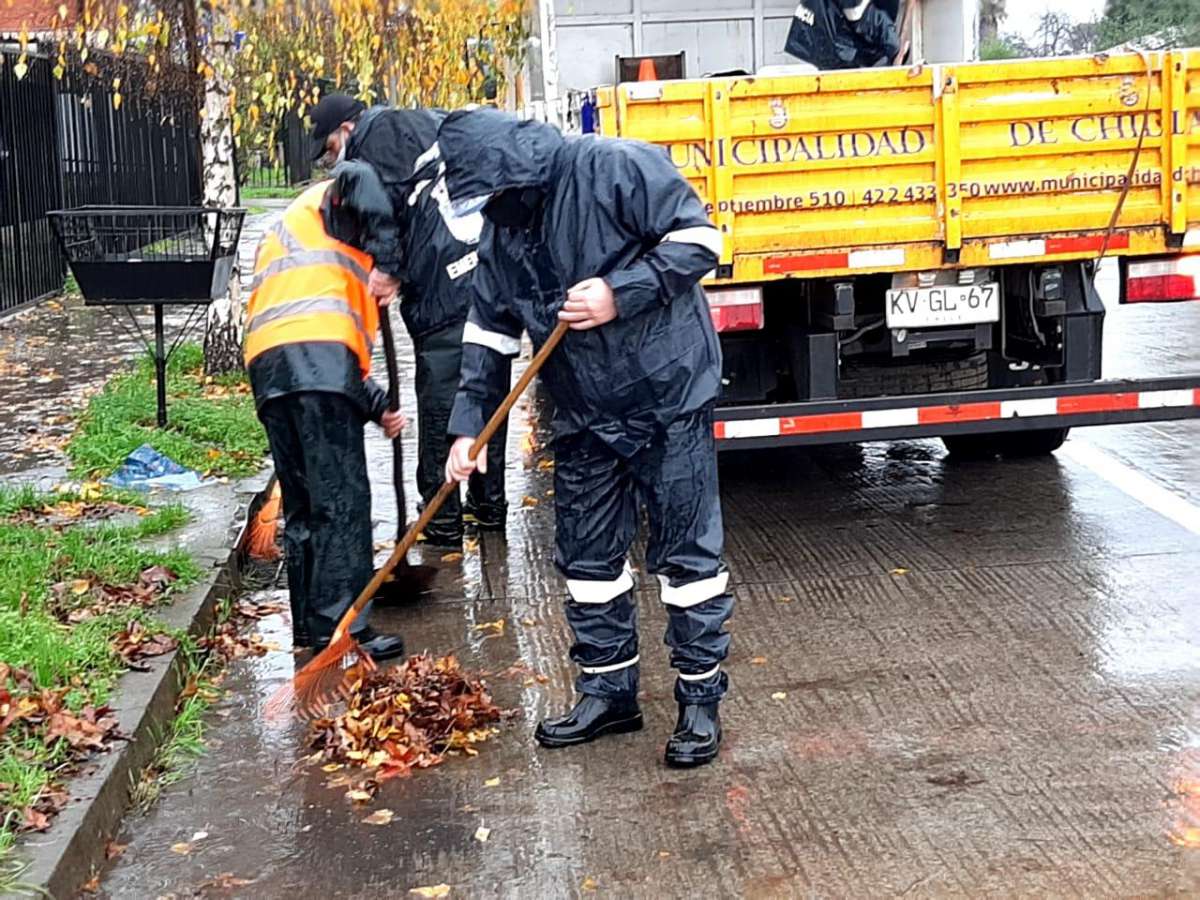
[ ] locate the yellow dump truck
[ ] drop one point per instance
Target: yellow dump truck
(911, 251)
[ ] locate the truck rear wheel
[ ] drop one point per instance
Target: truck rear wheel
(859, 380)
(1013, 445)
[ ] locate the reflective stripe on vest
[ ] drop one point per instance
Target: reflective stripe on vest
(298, 259)
(310, 287)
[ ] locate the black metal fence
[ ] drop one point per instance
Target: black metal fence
(289, 165)
(64, 144)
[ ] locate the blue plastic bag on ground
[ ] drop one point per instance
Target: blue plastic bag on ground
(146, 468)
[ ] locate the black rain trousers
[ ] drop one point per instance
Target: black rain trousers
(316, 442)
(597, 495)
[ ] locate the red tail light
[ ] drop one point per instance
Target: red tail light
(735, 309)
(1162, 280)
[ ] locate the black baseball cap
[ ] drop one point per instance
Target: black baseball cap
(329, 113)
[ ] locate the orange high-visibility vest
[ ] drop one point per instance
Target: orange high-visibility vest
(310, 287)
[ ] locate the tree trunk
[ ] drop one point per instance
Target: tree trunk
(223, 332)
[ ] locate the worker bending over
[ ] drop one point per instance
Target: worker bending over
(310, 328)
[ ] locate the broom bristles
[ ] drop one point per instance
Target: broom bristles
(264, 528)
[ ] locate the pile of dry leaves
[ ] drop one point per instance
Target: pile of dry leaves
(403, 718)
(26, 710)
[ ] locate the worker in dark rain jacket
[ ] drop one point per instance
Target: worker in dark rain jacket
(608, 236)
(430, 267)
(310, 327)
(842, 34)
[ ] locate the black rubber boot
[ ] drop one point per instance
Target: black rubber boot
(591, 718)
(443, 537)
(300, 638)
(697, 736)
(379, 646)
(484, 515)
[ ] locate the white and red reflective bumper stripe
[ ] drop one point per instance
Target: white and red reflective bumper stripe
(875, 258)
(911, 416)
(1053, 246)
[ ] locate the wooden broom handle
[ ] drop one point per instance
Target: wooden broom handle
(431, 508)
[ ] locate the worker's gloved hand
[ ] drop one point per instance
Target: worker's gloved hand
(459, 465)
(392, 423)
(383, 287)
(589, 303)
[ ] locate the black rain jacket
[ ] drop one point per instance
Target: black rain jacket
(822, 35)
(616, 209)
(354, 205)
(434, 250)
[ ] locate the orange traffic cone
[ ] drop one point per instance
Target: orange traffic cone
(646, 70)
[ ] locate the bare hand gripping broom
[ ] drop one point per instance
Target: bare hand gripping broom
(311, 688)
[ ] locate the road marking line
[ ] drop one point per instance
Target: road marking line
(1130, 481)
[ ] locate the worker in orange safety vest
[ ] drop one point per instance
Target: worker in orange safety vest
(310, 327)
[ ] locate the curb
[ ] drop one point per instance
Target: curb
(61, 861)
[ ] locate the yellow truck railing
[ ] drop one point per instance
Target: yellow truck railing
(957, 165)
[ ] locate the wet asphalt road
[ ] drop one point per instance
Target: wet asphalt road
(969, 680)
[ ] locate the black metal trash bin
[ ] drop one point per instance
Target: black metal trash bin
(149, 254)
(156, 255)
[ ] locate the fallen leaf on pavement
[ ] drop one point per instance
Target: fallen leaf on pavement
(358, 795)
(779, 695)
(380, 817)
(544, 465)
(224, 882)
(784, 599)
(452, 557)
(590, 884)
(496, 627)
(482, 834)
(758, 661)
(112, 849)
(528, 501)
(900, 571)
(664, 854)
(199, 836)
(183, 848)
(433, 892)
(332, 767)
(92, 885)
(471, 544)
(528, 623)
(492, 782)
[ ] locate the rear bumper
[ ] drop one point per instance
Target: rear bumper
(972, 412)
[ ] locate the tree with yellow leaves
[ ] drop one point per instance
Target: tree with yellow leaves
(250, 63)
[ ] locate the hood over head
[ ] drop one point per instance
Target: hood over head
(395, 141)
(486, 151)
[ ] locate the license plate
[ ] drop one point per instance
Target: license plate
(948, 304)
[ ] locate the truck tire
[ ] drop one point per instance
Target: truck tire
(1011, 445)
(936, 377)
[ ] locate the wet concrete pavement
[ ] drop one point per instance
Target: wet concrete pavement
(947, 680)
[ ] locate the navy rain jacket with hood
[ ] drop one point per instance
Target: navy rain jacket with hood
(436, 250)
(615, 209)
(821, 34)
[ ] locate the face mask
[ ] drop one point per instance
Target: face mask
(855, 13)
(515, 208)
